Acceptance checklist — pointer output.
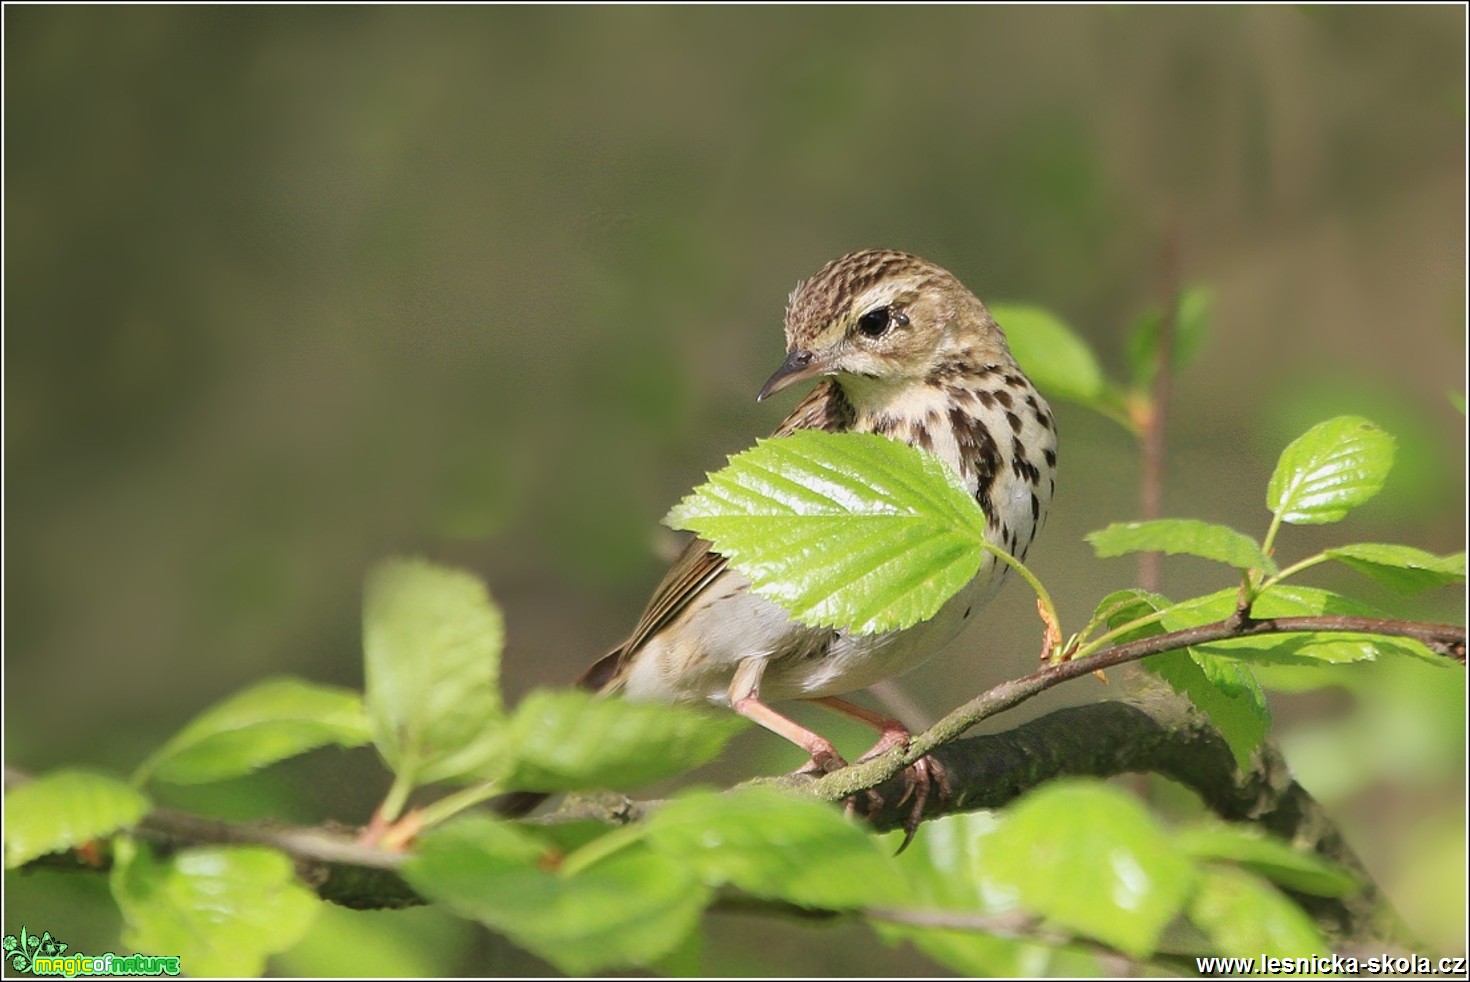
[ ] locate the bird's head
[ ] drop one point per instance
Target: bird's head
(880, 318)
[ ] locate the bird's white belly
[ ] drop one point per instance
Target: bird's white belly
(698, 662)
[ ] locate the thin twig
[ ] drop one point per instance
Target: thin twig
(1151, 479)
(1444, 639)
(349, 873)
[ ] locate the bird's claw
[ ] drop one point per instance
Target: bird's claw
(823, 762)
(921, 779)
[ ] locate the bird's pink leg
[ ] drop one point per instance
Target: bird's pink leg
(920, 777)
(745, 699)
(893, 733)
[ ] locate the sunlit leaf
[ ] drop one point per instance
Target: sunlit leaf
(1090, 857)
(776, 844)
(410, 943)
(64, 809)
(270, 721)
(1191, 324)
(842, 529)
(1318, 648)
(1055, 358)
(631, 908)
(1277, 861)
(1329, 470)
(1244, 916)
(432, 639)
(1306, 648)
(221, 909)
(942, 866)
(568, 740)
(1402, 568)
(1182, 535)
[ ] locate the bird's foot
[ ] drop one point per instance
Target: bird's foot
(921, 780)
(824, 760)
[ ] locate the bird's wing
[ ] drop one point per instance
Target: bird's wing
(825, 408)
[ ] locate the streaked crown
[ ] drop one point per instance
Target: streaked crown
(886, 316)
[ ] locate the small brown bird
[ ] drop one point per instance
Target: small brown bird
(905, 350)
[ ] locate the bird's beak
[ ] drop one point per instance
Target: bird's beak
(798, 366)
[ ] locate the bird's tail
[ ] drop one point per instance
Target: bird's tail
(598, 678)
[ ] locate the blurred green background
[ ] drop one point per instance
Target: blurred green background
(291, 289)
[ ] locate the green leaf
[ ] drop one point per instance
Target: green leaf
(1224, 690)
(1089, 857)
(1126, 606)
(631, 908)
(1281, 600)
(1330, 470)
(1182, 535)
(1191, 323)
(64, 809)
(1058, 361)
(1307, 648)
(221, 909)
(412, 942)
(848, 530)
(943, 867)
(1277, 861)
(570, 740)
(1317, 649)
(1201, 610)
(432, 639)
(1246, 917)
(271, 721)
(1402, 568)
(776, 844)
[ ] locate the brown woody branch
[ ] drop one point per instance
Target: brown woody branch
(1443, 639)
(1152, 735)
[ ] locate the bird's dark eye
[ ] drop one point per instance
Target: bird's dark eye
(875, 322)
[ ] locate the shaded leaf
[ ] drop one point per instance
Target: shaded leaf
(1090, 857)
(1329, 470)
(1244, 916)
(943, 866)
(64, 809)
(1182, 535)
(413, 942)
(1318, 648)
(1126, 606)
(1402, 568)
(222, 909)
(1306, 648)
(1191, 324)
(776, 844)
(631, 908)
(570, 740)
(432, 639)
(271, 721)
(1224, 690)
(846, 530)
(1277, 861)
(1055, 358)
